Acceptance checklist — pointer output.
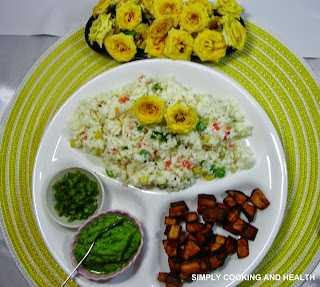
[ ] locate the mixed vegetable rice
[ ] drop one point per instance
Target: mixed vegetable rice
(157, 133)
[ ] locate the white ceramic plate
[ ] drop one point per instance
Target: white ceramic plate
(150, 207)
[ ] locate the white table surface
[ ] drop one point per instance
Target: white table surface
(17, 55)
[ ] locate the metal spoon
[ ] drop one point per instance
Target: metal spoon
(91, 246)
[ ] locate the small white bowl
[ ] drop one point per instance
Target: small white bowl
(50, 200)
(97, 277)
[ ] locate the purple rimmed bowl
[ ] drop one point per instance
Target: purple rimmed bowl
(103, 277)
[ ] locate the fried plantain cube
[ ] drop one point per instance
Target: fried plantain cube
(171, 247)
(205, 200)
(238, 225)
(258, 199)
(162, 276)
(208, 225)
(182, 239)
(216, 248)
(170, 221)
(194, 227)
(239, 196)
(174, 232)
(205, 264)
(185, 276)
(233, 214)
(227, 226)
(191, 217)
(205, 249)
(200, 209)
(191, 249)
(178, 203)
(205, 235)
(173, 281)
(191, 267)
(217, 260)
(223, 205)
(167, 230)
(230, 246)
(242, 248)
(192, 237)
(178, 209)
(220, 239)
(230, 201)
(175, 264)
(214, 214)
(217, 245)
(249, 232)
(249, 211)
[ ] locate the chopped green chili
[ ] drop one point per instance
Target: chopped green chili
(75, 196)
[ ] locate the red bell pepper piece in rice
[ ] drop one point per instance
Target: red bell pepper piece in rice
(123, 99)
(168, 163)
(187, 164)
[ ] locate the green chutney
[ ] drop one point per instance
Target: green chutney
(113, 250)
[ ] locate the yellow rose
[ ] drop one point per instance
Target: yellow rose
(147, 7)
(121, 47)
(100, 29)
(171, 7)
(233, 32)
(149, 109)
(210, 45)
(128, 16)
(141, 37)
(215, 23)
(102, 7)
(228, 7)
(155, 47)
(181, 119)
(194, 18)
(178, 45)
(161, 26)
(206, 4)
(124, 2)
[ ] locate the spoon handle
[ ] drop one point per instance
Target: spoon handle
(91, 246)
(84, 257)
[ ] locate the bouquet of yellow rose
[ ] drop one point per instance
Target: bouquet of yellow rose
(129, 29)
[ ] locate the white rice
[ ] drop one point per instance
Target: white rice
(105, 127)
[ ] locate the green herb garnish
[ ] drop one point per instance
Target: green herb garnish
(157, 87)
(159, 135)
(139, 128)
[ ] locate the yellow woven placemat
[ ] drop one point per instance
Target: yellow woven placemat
(278, 79)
